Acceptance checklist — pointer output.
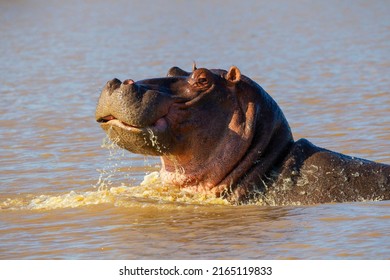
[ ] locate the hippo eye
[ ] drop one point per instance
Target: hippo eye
(202, 80)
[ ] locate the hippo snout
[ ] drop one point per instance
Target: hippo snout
(121, 100)
(135, 114)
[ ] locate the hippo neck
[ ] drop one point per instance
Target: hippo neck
(270, 144)
(247, 179)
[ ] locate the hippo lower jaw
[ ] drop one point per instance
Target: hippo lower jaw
(142, 140)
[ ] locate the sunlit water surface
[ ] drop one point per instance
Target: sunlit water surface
(66, 193)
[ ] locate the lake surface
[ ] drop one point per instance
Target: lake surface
(67, 193)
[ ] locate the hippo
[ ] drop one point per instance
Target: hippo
(220, 133)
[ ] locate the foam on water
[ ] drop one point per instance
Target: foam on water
(149, 191)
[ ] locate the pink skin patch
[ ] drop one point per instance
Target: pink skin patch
(128, 82)
(161, 124)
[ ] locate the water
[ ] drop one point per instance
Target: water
(66, 194)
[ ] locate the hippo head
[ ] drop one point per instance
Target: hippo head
(216, 131)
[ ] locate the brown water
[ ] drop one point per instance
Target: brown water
(63, 195)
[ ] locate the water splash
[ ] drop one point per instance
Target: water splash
(150, 192)
(115, 154)
(154, 141)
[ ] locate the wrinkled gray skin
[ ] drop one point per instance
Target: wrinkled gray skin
(219, 132)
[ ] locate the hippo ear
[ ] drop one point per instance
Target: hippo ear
(176, 71)
(233, 75)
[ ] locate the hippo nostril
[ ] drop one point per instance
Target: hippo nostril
(128, 86)
(128, 82)
(112, 85)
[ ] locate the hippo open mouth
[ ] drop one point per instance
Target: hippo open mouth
(112, 121)
(160, 124)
